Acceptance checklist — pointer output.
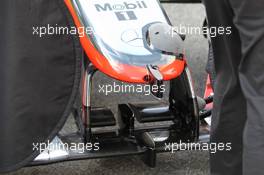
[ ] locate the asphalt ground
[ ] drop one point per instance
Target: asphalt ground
(181, 163)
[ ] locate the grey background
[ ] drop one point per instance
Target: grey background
(182, 163)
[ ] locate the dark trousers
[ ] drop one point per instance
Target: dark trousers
(238, 115)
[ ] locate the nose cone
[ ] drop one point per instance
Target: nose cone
(132, 38)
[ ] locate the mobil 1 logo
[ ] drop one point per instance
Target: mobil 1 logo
(123, 11)
(126, 15)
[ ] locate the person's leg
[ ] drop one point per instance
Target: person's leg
(229, 114)
(249, 21)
